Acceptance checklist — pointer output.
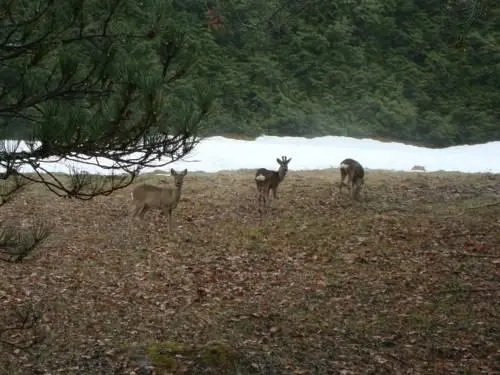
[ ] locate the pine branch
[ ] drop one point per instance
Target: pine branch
(10, 184)
(15, 244)
(81, 98)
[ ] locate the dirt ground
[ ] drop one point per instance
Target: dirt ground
(405, 282)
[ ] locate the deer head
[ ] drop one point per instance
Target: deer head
(283, 165)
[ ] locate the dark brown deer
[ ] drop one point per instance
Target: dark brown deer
(267, 180)
(355, 174)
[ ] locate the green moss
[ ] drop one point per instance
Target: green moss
(257, 233)
(218, 355)
(169, 356)
(163, 355)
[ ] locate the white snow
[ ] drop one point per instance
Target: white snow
(217, 153)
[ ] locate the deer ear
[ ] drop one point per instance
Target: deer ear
(289, 160)
(173, 172)
(279, 161)
(185, 172)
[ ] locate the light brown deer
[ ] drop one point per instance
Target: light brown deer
(146, 196)
(355, 174)
(267, 180)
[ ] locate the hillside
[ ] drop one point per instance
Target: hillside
(420, 72)
(416, 71)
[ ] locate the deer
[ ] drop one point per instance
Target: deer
(267, 180)
(355, 174)
(166, 198)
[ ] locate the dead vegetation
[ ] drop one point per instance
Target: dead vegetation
(405, 282)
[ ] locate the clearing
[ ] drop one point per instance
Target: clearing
(405, 282)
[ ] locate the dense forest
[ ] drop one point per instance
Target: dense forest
(425, 71)
(418, 71)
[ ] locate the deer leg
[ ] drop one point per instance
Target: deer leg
(143, 211)
(259, 199)
(342, 178)
(264, 201)
(354, 191)
(140, 210)
(349, 183)
(357, 189)
(170, 220)
(274, 193)
(135, 210)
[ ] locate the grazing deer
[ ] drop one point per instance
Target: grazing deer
(267, 180)
(146, 196)
(355, 174)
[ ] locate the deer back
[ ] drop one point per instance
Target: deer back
(268, 177)
(264, 172)
(154, 196)
(353, 168)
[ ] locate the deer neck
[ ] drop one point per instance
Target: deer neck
(176, 193)
(281, 174)
(172, 197)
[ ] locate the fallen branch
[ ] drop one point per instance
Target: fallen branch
(477, 290)
(477, 255)
(484, 206)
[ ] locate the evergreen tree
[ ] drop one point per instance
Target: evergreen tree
(115, 80)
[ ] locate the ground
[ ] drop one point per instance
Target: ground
(405, 282)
